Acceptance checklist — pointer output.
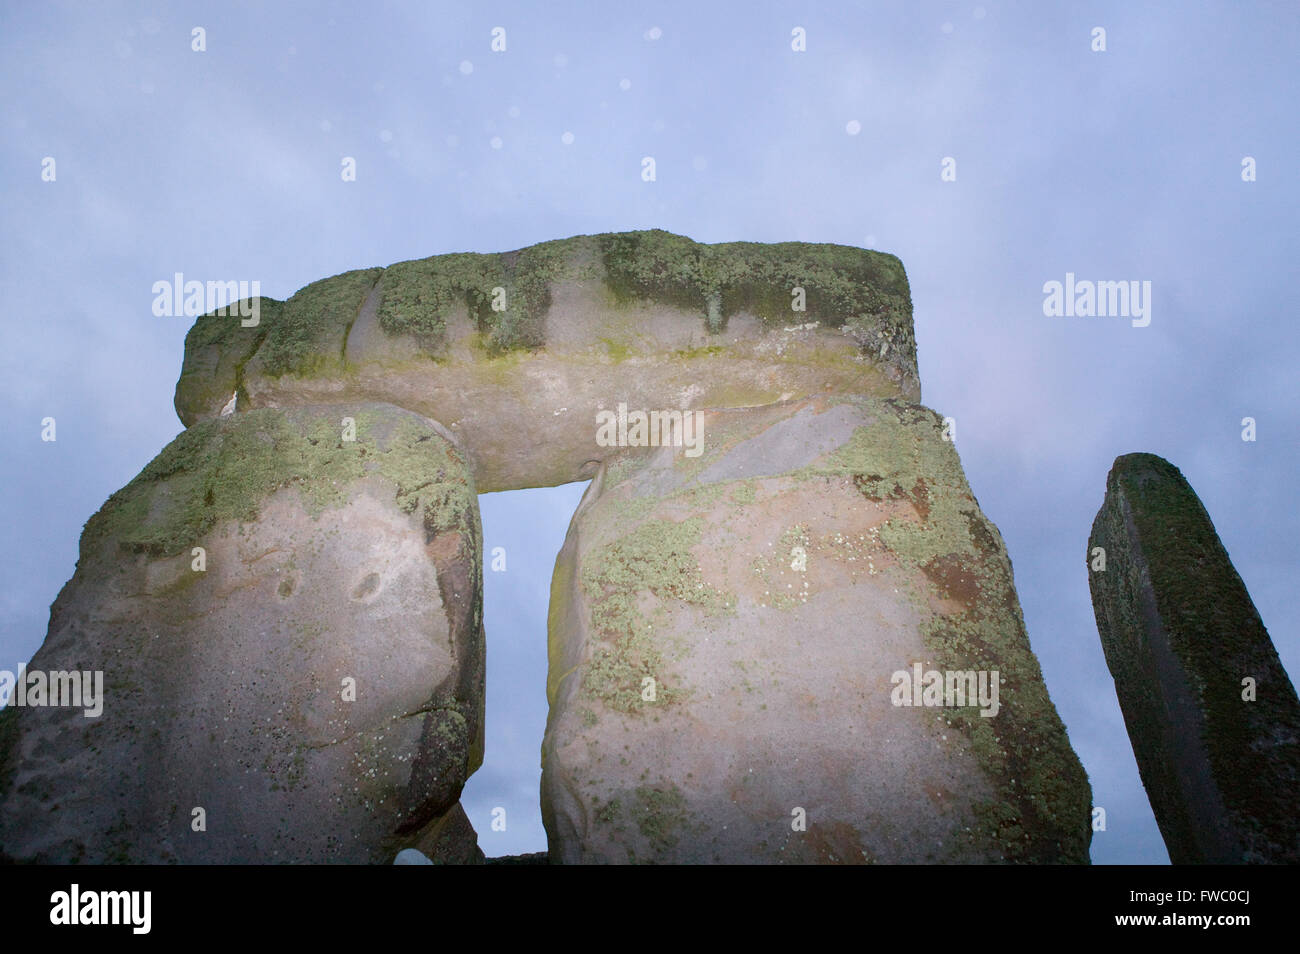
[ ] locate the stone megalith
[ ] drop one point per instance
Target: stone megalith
(306, 687)
(1212, 716)
(796, 639)
(515, 352)
(729, 637)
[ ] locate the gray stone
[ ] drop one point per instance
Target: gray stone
(325, 560)
(1181, 637)
(726, 629)
(770, 589)
(589, 322)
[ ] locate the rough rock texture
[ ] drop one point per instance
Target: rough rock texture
(1181, 634)
(326, 560)
(451, 840)
(654, 318)
(770, 588)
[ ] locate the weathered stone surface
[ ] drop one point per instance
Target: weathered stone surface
(1180, 635)
(771, 587)
(326, 560)
(450, 840)
(655, 318)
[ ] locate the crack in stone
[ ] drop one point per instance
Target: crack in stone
(423, 710)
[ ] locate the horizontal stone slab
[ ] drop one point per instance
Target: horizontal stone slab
(649, 319)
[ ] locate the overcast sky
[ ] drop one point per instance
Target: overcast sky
(1116, 165)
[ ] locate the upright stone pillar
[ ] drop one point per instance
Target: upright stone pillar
(751, 652)
(283, 613)
(1213, 718)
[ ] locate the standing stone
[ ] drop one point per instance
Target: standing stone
(1213, 718)
(802, 644)
(725, 630)
(306, 688)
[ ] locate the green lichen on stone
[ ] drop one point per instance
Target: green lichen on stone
(560, 598)
(430, 475)
(453, 727)
(617, 350)
(862, 290)
(217, 347)
(308, 336)
(618, 468)
(1213, 629)
(419, 295)
(655, 264)
(659, 815)
(655, 557)
(742, 493)
(698, 497)
(706, 351)
(225, 468)
(608, 814)
(775, 568)
(1024, 748)
(227, 331)
(633, 510)
(529, 274)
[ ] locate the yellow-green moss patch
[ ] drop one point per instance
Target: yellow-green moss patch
(226, 468)
(1024, 749)
(308, 335)
(655, 557)
(865, 291)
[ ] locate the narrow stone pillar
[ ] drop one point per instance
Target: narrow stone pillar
(1213, 718)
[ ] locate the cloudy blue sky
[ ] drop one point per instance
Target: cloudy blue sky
(1115, 165)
